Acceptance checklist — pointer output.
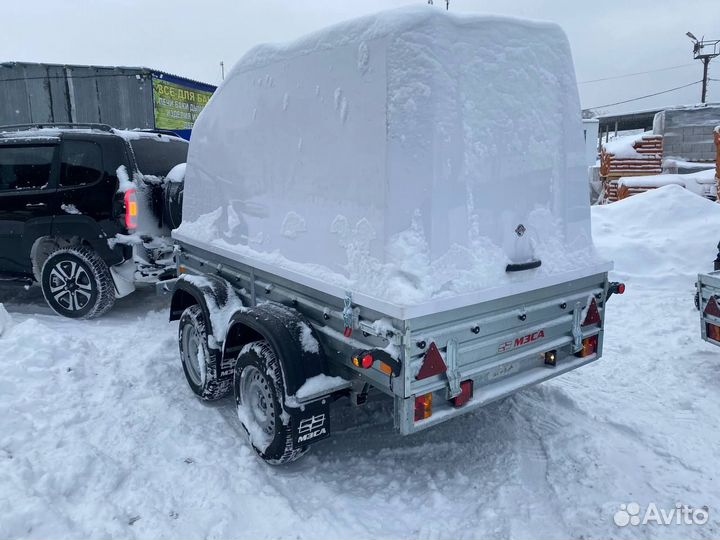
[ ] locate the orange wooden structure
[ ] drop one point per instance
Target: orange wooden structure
(644, 159)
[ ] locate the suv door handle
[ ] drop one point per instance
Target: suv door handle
(35, 205)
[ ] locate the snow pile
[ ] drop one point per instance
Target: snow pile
(307, 340)
(702, 183)
(5, 320)
(663, 236)
(396, 156)
(318, 385)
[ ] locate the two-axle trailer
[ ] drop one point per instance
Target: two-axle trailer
(287, 349)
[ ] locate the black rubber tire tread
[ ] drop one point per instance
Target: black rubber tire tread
(99, 272)
(172, 204)
(213, 388)
(282, 449)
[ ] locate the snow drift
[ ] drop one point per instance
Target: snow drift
(663, 236)
(395, 156)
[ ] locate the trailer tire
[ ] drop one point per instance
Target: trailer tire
(260, 399)
(199, 361)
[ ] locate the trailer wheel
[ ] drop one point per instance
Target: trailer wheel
(260, 397)
(199, 362)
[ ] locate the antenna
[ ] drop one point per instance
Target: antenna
(222, 69)
(704, 50)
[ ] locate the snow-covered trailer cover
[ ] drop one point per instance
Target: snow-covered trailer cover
(407, 157)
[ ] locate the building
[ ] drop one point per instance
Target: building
(123, 97)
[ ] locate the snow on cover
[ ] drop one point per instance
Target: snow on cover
(97, 432)
(396, 155)
(177, 173)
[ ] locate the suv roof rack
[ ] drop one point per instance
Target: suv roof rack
(63, 125)
(155, 130)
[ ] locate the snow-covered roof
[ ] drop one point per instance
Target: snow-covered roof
(54, 133)
(369, 28)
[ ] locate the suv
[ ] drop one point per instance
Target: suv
(86, 211)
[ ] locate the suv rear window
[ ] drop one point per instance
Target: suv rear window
(25, 167)
(80, 163)
(158, 156)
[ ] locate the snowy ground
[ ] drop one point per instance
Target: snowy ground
(100, 437)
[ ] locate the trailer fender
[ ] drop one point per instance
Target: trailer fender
(216, 298)
(292, 338)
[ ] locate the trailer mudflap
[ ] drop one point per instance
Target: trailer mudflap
(310, 422)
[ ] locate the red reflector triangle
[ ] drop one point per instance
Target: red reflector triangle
(593, 315)
(712, 307)
(433, 363)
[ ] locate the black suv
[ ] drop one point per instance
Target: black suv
(86, 211)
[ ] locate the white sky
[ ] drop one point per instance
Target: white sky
(190, 37)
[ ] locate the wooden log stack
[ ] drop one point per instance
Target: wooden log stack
(645, 160)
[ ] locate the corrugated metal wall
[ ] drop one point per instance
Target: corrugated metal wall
(37, 93)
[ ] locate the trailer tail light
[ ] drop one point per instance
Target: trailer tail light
(713, 332)
(466, 394)
(433, 364)
(385, 368)
(423, 407)
(364, 361)
(593, 314)
(131, 209)
(590, 345)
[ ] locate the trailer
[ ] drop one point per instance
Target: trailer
(371, 207)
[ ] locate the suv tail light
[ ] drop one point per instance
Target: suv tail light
(131, 209)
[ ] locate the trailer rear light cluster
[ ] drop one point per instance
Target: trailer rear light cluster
(131, 209)
(364, 361)
(423, 407)
(590, 345)
(466, 394)
(712, 332)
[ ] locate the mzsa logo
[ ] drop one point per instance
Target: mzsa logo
(682, 514)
